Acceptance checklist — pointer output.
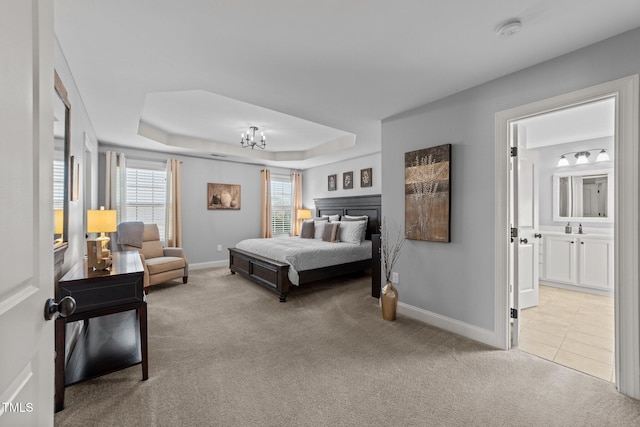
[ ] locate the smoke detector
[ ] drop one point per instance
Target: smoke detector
(509, 28)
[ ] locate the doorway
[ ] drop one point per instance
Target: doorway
(626, 279)
(564, 200)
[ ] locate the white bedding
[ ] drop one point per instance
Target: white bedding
(306, 254)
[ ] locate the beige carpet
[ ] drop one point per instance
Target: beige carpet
(225, 352)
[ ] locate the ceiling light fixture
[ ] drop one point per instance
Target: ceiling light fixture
(509, 28)
(250, 139)
(582, 157)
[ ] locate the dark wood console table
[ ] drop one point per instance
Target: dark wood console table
(102, 293)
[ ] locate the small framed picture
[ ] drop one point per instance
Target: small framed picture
(332, 181)
(366, 178)
(347, 180)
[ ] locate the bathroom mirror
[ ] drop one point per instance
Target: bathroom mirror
(61, 170)
(585, 196)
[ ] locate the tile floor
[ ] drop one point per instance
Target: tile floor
(574, 329)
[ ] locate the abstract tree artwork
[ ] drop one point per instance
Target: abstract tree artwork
(427, 195)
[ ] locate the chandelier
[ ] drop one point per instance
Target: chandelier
(250, 139)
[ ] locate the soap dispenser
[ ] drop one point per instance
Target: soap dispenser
(567, 229)
(580, 229)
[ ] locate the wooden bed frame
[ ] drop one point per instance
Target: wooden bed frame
(273, 274)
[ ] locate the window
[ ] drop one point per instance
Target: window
(58, 182)
(146, 191)
(281, 204)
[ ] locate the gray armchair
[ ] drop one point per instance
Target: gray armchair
(160, 264)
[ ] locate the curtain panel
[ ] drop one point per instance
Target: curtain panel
(115, 188)
(265, 206)
(173, 218)
(296, 181)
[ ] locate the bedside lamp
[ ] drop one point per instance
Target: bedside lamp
(100, 221)
(58, 221)
(304, 214)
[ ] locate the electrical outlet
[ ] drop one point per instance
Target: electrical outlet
(219, 248)
(394, 278)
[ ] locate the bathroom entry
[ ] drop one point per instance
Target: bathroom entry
(561, 204)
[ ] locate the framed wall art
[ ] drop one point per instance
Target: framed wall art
(332, 182)
(223, 196)
(366, 178)
(347, 180)
(427, 194)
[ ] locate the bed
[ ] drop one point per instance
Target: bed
(288, 265)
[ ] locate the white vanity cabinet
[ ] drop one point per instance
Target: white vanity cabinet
(578, 261)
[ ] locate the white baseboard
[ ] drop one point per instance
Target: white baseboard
(209, 264)
(475, 333)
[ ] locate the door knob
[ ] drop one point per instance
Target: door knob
(537, 236)
(524, 241)
(65, 307)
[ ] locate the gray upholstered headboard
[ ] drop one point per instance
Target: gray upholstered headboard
(356, 206)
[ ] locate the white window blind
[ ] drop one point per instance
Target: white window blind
(281, 204)
(58, 184)
(146, 195)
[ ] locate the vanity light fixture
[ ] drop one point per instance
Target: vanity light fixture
(582, 157)
(250, 139)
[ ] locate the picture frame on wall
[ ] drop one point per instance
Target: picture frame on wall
(366, 178)
(332, 182)
(427, 194)
(347, 180)
(223, 196)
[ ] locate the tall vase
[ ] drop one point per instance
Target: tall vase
(389, 300)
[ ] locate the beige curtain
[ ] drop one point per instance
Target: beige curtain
(265, 207)
(296, 181)
(173, 218)
(115, 188)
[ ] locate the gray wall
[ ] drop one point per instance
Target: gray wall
(314, 180)
(457, 279)
(204, 229)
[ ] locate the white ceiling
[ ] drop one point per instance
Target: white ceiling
(327, 69)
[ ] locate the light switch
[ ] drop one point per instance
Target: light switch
(394, 278)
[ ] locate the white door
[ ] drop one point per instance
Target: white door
(528, 241)
(524, 248)
(26, 225)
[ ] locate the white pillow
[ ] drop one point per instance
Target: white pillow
(351, 231)
(319, 228)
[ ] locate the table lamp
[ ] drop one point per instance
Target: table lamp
(58, 220)
(304, 213)
(100, 221)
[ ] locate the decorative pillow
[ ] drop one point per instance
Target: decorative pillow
(307, 231)
(351, 231)
(330, 233)
(332, 218)
(319, 228)
(364, 218)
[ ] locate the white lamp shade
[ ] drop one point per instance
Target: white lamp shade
(582, 158)
(101, 221)
(563, 161)
(58, 221)
(304, 213)
(603, 156)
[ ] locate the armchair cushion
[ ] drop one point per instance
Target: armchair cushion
(164, 263)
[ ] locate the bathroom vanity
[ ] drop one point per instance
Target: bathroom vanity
(577, 261)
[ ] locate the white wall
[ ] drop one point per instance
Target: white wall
(455, 281)
(314, 180)
(80, 126)
(203, 229)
